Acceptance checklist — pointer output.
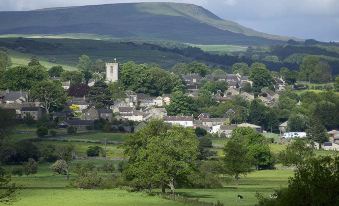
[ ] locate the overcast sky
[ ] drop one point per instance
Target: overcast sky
(317, 19)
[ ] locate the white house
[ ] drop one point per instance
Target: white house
(330, 146)
(290, 135)
(223, 130)
(184, 121)
(210, 122)
(136, 116)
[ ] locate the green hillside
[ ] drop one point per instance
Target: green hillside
(66, 52)
(147, 21)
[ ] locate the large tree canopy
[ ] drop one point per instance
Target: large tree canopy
(261, 77)
(315, 182)
(50, 93)
(160, 155)
(314, 69)
(181, 105)
(24, 77)
(148, 79)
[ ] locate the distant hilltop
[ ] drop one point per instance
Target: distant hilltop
(186, 23)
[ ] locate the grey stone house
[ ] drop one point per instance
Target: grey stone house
(34, 112)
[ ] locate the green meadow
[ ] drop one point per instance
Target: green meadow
(48, 189)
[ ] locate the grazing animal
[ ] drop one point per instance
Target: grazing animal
(240, 197)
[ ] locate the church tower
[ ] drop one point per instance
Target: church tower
(112, 71)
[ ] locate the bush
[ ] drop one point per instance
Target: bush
(200, 132)
(18, 171)
(207, 175)
(94, 151)
(22, 151)
(107, 127)
(71, 130)
(121, 166)
(99, 124)
(30, 167)
(80, 169)
(42, 131)
(28, 120)
(48, 153)
(88, 180)
(60, 167)
(53, 133)
(108, 167)
(89, 127)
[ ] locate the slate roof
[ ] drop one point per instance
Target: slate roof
(213, 119)
(78, 122)
(228, 127)
(14, 95)
(104, 111)
(30, 109)
(78, 101)
(178, 118)
(126, 109)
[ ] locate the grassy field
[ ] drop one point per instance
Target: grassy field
(76, 197)
(47, 188)
(264, 182)
(23, 59)
(221, 49)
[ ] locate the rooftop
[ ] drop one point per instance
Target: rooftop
(178, 118)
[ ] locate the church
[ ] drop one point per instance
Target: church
(112, 71)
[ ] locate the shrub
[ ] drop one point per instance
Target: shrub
(108, 167)
(30, 167)
(48, 153)
(71, 130)
(42, 131)
(200, 132)
(28, 120)
(94, 151)
(89, 127)
(22, 151)
(88, 180)
(18, 171)
(53, 133)
(107, 127)
(60, 167)
(121, 166)
(80, 169)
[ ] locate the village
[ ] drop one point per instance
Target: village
(135, 109)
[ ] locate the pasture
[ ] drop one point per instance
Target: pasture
(221, 49)
(48, 189)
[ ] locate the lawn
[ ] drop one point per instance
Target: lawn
(45, 188)
(112, 151)
(264, 182)
(77, 197)
(100, 136)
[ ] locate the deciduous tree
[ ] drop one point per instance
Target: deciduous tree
(50, 93)
(160, 155)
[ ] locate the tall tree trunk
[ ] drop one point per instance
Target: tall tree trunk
(171, 186)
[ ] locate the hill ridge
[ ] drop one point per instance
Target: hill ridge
(181, 22)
